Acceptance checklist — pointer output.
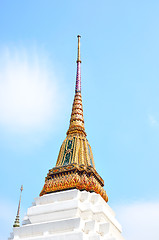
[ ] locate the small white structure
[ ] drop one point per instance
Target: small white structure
(69, 215)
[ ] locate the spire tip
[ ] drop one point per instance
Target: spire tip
(21, 189)
(16, 222)
(78, 54)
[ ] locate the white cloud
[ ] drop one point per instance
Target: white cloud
(29, 91)
(153, 121)
(139, 220)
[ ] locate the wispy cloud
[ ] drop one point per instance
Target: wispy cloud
(29, 91)
(139, 220)
(153, 121)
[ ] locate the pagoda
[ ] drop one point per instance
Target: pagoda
(73, 203)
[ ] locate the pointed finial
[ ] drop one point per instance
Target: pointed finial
(77, 119)
(79, 54)
(16, 222)
(78, 75)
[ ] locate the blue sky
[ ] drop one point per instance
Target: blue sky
(120, 73)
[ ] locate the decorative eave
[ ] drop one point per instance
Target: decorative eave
(75, 167)
(74, 176)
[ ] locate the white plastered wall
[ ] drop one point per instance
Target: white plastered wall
(69, 215)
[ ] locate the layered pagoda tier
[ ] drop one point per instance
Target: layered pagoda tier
(69, 215)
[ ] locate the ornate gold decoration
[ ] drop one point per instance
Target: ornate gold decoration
(79, 150)
(77, 119)
(74, 176)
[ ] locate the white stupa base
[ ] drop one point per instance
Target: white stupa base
(69, 215)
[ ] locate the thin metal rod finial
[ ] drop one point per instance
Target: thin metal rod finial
(21, 189)
(78, 75)
(79, 54)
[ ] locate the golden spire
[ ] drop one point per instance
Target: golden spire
(75, 166)
(77, 119)
(16, 222)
